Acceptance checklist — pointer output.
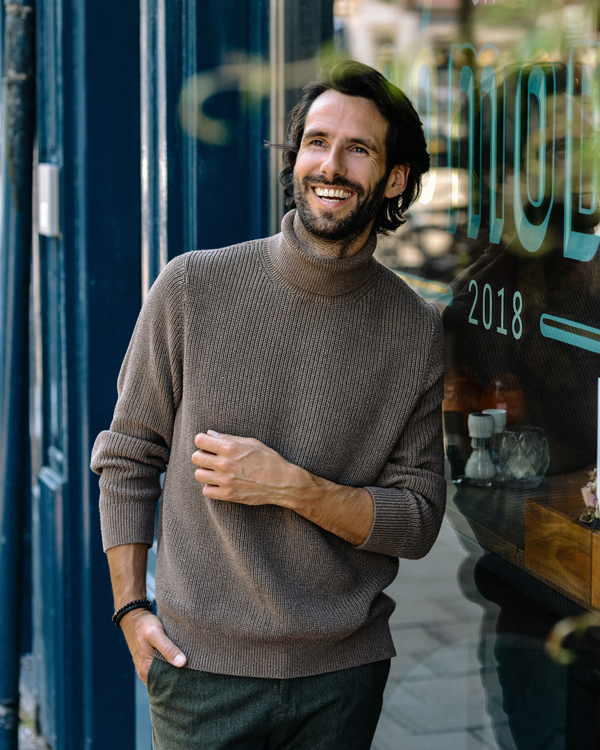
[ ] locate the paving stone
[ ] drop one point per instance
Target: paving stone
(421, 613)
(441, 705)
(498, 738)
(387, 738)
(451, 633)
(460, 660)
(461, 608)
(30, 741)
(410, 590)
(416, 642)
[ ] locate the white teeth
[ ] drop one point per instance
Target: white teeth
(332, 193)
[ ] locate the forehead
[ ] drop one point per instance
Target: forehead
(347, 117)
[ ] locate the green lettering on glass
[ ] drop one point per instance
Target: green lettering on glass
(490, 84)
(532, 235)
(472, 284)
(489, 87)
(487, 310)
(487, 301)
(538, 92)
(501, 329)
(426, 15)
(579, 245)
(466, 85)
(570, 332)
(423, 86)
(517, 323)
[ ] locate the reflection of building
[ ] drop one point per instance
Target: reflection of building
(509, 99)
(374, 29)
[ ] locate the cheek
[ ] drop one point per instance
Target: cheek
(306, 164)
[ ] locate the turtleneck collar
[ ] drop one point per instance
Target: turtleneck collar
(305, 269)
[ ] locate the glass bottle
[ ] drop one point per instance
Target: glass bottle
(480, 470)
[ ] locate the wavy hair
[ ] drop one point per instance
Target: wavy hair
(405, 141)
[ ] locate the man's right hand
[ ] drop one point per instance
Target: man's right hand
(142, 630)
(144, 634)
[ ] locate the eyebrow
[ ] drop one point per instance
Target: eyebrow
(360, 141)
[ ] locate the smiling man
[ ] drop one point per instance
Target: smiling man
(291, 390)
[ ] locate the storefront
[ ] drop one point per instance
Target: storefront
(504, 240)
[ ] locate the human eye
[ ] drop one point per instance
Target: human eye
(359, 150)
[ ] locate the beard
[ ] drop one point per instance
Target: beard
(325, 225)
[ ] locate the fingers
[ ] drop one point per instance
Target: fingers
(212, 456)
(205, 476)
(210, 440)
(213, 470)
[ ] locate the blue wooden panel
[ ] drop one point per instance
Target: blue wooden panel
(51, 671)
(88, 297)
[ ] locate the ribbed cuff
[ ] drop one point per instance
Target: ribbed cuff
(126, 523)
(385, 533)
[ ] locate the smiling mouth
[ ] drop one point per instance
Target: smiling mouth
(331, 196)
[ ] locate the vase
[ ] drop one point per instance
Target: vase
(524, 456)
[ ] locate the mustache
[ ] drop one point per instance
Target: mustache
(340, 181)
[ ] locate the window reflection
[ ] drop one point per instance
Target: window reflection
(505, 240)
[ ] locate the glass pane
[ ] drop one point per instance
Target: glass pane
(504, 240)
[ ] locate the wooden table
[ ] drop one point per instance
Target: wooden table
(537, 531)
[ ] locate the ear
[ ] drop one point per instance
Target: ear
(397, 181)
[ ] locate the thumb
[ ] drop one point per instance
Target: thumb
(170, 651)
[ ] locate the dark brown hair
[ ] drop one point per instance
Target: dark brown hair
(405, 142)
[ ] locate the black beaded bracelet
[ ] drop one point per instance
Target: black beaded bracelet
(129, 607)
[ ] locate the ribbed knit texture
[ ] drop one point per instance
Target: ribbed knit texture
(335, 364)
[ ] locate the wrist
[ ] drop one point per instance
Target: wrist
(302, 489)
(311, 491)
(133, 616)
(131, 606)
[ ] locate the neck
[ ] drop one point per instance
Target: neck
(331, 248)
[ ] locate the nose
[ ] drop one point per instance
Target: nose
(334, 163)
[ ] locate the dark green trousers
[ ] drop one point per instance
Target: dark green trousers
(194, 710)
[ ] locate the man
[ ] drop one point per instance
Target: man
(293, 388)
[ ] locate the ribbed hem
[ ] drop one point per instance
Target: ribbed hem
(221, 653)
(126, 523)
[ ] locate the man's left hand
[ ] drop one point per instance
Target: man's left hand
(244, 470)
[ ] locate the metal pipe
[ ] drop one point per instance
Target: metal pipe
(18, 130)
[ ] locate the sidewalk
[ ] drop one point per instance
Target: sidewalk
(435, 698)
(28, 740)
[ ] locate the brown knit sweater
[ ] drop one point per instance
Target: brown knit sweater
(335, 364)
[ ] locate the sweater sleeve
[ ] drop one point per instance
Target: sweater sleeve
(410, 494)
(134, 452)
